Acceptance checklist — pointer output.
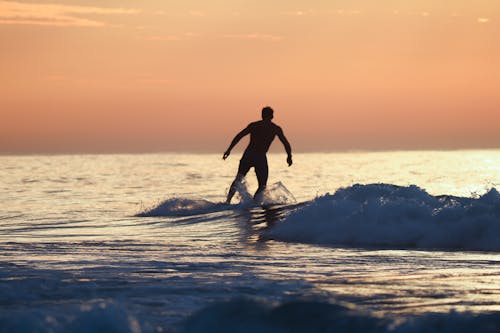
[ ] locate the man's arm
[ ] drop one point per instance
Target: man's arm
(288, 148)
(236, 139)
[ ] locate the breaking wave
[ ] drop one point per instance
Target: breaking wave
(383, 215)
(275, 194)
(183, 207)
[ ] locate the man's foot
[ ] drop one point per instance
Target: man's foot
(259, 198)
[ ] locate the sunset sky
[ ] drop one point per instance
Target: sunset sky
(186, 75)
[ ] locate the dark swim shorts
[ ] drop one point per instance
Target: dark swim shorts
(256, 160)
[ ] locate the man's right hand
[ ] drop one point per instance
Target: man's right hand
(226, 154)
(289, 160)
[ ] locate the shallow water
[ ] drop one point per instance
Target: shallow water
(73, 253)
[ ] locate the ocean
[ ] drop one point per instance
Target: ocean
(344, 242)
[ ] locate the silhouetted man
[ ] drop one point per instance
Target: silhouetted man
(262, 134)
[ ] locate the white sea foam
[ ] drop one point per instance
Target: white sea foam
(278, 194)
(183, 207)
(275, 194)
(382, 215)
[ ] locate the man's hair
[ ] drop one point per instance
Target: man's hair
(267, 113)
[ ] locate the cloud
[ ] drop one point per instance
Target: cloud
(348, 11)
(299, 12)
(255, 36)
(483, 20)
(56, 14)
(171, 38)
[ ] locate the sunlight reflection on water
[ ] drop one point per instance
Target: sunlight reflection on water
(69, 221)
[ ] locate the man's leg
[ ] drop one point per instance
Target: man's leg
(234, 186)
(242, 171)
(262, 172)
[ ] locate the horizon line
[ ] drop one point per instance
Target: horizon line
(193, 152)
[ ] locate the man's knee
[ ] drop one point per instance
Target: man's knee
(238, 179)
(262, 174)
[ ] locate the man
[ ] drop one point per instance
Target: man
(262, 134)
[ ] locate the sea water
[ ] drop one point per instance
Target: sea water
(351, 242)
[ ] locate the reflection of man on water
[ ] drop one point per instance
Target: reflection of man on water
(262, 134)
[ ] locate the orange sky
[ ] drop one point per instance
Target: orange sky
(142, 76)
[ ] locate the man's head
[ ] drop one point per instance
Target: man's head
(267, 113)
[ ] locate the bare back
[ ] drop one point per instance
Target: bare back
(262, 134)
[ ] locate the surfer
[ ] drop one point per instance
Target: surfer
(262, 134)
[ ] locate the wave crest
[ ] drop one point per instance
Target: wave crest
(176, 207)
(384, 215)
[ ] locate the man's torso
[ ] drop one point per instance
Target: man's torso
(262, 134)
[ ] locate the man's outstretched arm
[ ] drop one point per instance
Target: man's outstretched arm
(236, 139)
(288, 148)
